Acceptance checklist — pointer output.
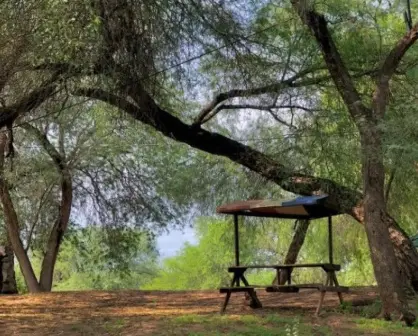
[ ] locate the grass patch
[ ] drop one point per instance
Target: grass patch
(381, 326)
(247, 325)
(114, 326)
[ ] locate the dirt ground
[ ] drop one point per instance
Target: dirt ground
(148, 312)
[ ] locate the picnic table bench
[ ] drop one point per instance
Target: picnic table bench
(330, 285)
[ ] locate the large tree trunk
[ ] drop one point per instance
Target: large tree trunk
(294, 249)
(387, 272)
(57, 232)
(2, 255)
(17, 245)
(12, 226)
(405, 251)
(9, 285)
(61, 224)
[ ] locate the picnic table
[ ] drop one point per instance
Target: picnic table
(307, 208)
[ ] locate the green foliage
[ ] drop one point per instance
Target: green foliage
(204, 265)
(374, 326)
(113, 258)
(101, 258)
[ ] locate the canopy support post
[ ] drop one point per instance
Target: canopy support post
(330, 248)
(236, 236)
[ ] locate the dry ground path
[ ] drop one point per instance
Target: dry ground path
(175, 313)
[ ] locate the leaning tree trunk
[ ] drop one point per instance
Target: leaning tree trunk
(12, 225)
(57, 232)
(17, 245)
(389, 277)
(294, 249)
(9, 285)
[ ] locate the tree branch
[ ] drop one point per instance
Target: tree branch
(212, 108)
(339, 72)
(36, 217)
(271, 88)
(31, 101)
(388, 69)
(268, 109)
(56, 157)
(395, 56)
(389, 184)
(340, 197)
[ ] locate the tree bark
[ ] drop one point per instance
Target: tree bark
(9, 285)
(294, 249)
(12, 225)
(57, 232)
(2, 255)
(60, 226)
(391, 280)
(405, 251)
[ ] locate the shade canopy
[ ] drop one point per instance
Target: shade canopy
(304, 207)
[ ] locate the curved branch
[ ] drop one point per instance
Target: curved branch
(213, 107)
(268, 109)
(342, 198)
(388, 69)
(221, 107)
(395, 56)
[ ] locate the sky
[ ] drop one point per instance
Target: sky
(169, 244)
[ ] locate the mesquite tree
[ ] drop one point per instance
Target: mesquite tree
(367, 117)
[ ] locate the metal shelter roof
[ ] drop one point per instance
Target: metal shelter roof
(304, 207)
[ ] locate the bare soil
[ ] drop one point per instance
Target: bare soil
(149, 312)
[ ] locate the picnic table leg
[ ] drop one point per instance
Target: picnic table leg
(289, 276)
(228, 295)
(320, 302)
(322, 295)
(335, 281)
(234, 281)
(255, 303)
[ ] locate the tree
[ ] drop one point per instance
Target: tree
(367, 118)
(70, 161)
(116, 180)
